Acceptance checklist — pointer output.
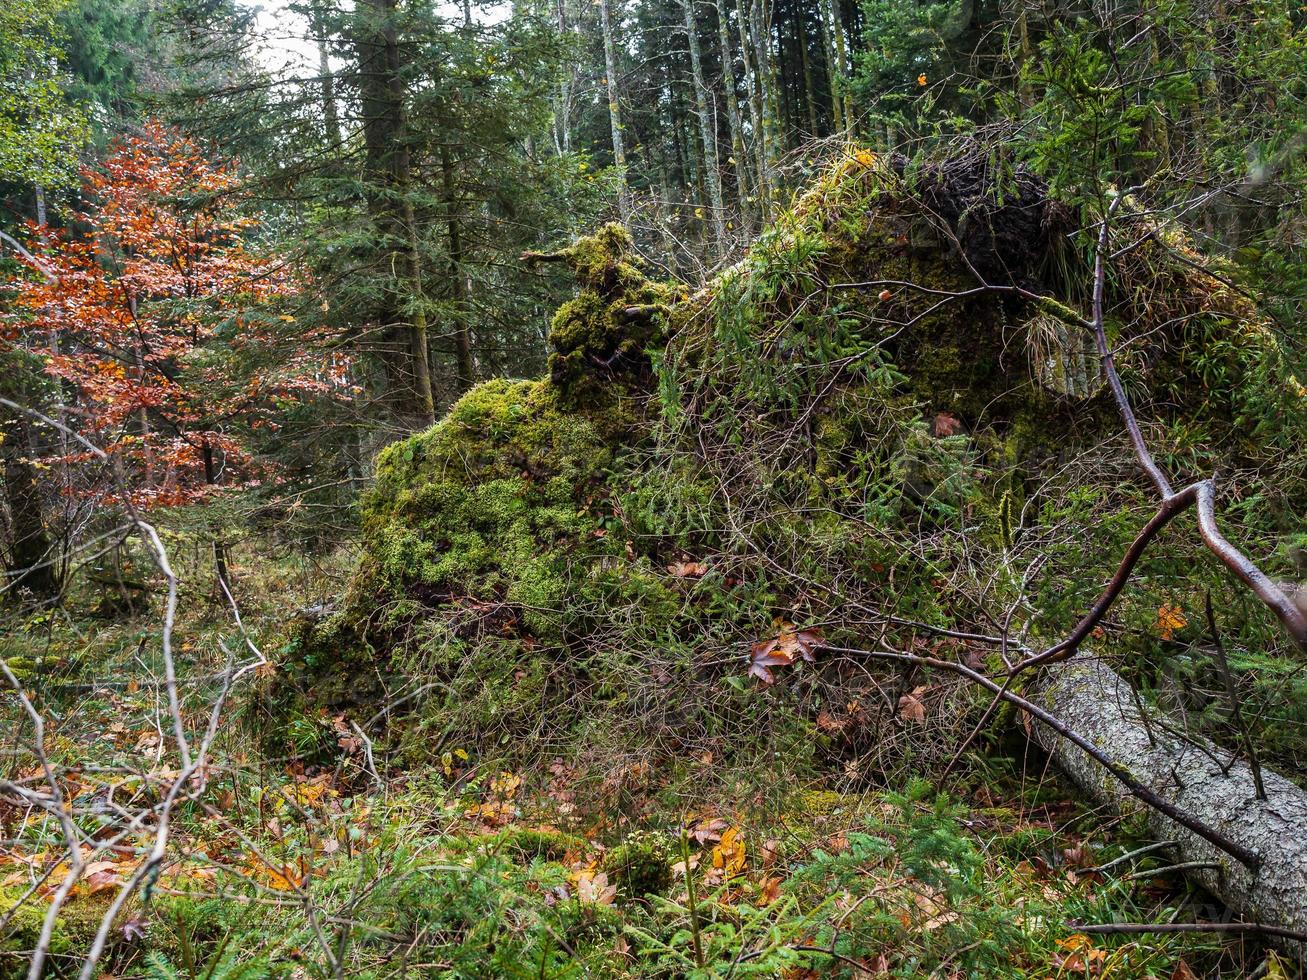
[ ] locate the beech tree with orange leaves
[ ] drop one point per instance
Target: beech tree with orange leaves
(169, 325)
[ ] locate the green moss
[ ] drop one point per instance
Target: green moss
(641, 865)
(517, 555)
(530, 843)
(490, 502)
(74, 930)
(599, 341)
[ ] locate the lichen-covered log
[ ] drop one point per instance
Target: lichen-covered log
(1098, 704)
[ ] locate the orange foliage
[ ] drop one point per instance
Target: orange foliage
(164, 322)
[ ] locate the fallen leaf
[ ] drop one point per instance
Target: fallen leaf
(911, 709)
(687, 569)
(704, 830)
(946, 424)
(769, 889)
(729, 855)
(133, 929)
(592, 888)
(788, 645)
(1169, 619)
(1081, 956)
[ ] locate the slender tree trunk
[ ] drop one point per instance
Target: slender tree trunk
(614, 108)
(766, 76)
(219, 545)
(753, 80)
(457, 275)
(31, 547)
(563, 112)
(834, 77)
(739, 153)
(327, 83)
(841, 62)
(703, 104)
(388, 163)
(809, 90)
(691, 139)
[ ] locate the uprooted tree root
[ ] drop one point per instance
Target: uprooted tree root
(885, 422)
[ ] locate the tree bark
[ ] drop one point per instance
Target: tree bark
(739, 152)
(389, 170)
(457, 276)
(327, 85)
(219, 545)
(1091, 698)
(614, 109)
(809, 90)
(703, 103)
(840, 90)
(32, 559)
(753, 82)
(834, 76)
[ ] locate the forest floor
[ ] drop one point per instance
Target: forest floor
(342, 863)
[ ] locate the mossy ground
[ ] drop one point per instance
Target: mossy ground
(495, 876)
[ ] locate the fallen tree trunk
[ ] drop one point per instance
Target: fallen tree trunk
(1096, 702)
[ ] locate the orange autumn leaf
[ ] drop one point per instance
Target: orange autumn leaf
(789, 644)
(1170, 618)
(729, 855)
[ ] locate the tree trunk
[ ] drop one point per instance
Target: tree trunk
(766, 75)
(327, 82)
(457, 277)
(753, 81)
(219, 546)
(32, 555)
(703, 103)
(614, 109)
(809, 90)
(388, 165)
(841, 62)
(738, 149)
(1097, 703)
(834, 74)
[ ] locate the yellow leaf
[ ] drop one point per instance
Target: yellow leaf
(1169, 619)
(729, 855)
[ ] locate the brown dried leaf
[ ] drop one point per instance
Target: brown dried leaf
(592, 888)
(946, 424)
(687, 569)
(911, 709)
